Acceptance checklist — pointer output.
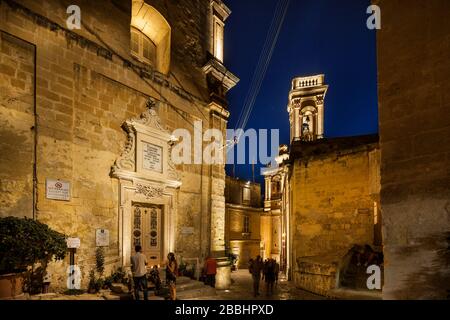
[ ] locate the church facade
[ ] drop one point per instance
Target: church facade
(87, 116)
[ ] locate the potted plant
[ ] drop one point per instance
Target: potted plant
(26, 247)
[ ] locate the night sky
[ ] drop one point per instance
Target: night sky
(318, 36)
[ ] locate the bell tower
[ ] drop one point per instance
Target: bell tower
(306, 108)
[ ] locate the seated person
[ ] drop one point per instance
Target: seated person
(154, 278)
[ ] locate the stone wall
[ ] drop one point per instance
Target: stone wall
(245, 246)
(333, 204)
(335, 184)
(414, 116)
(233, 192)
(16, 126)
(266, 234)
(236, 223)
(87, 84)
(245, 250)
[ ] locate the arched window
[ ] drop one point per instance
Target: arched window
(142, 47)
(150, 36)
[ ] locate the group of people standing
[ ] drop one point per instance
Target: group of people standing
(139, 269)
(267, 271)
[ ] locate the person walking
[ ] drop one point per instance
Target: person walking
(255, 269)
(277, 272)
(211, 271)
(270, 276)
(171, 275)
(139, 269)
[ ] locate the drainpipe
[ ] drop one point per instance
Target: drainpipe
(35, 129)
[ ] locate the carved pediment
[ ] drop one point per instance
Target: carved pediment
(146, 132)
(149, 118)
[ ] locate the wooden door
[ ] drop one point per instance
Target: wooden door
(146, 232)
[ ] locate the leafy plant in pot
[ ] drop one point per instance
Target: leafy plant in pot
(26, 248)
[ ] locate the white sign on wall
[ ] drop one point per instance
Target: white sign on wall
(73, 243)
(151, 157)
(102, 237)
(57, 189)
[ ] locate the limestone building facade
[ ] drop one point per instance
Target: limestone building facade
(243, 219)
(87, 116)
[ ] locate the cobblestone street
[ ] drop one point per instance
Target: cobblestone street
(242, 289)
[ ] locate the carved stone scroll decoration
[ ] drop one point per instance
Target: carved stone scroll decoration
(126, 161)
(172, 172)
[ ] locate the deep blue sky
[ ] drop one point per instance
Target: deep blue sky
(318, 36)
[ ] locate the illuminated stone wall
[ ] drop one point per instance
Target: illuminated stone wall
(414, 117)
(16, 127)
(266, 234)
(335, 183)
(245, 244)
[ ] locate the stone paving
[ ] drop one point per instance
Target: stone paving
(242, 289)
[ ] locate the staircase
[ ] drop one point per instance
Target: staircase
(356, 277)
(191, 289)
(352, 282)
(186, 289)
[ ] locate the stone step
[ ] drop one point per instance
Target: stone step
(196, 293)
(189, 285)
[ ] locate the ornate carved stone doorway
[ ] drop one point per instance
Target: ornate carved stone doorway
(148, 186)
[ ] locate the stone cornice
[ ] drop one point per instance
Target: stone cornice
(242, 207)
(221, 111)
(215, 68)
(221, 9)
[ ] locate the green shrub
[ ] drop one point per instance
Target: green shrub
(25, 242)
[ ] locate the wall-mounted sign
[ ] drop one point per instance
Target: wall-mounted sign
(187, 230)
(73, 243)
(57, 189)
(102, 237)
(151, 157)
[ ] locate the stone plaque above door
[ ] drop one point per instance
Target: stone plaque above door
(146, 155)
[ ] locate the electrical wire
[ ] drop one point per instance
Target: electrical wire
(261, 69)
